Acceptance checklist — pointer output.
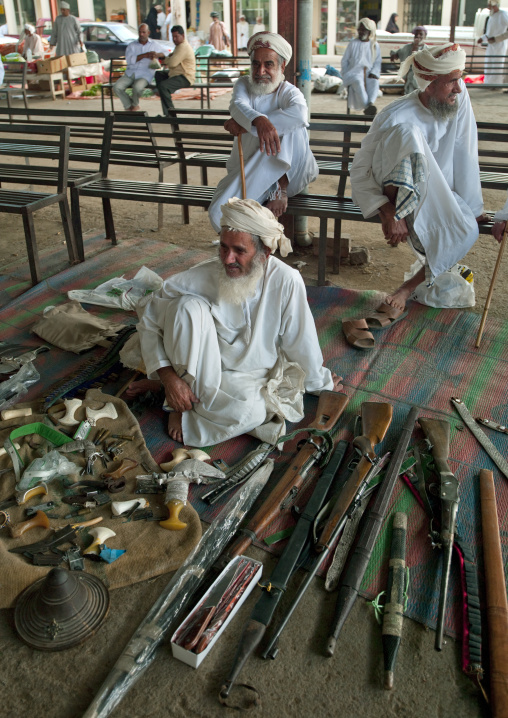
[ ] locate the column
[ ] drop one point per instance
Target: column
(132, 12)
(86, 9)
(331, 30)
(10, 16)
(273, 27)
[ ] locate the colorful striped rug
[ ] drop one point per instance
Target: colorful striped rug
(423, 361)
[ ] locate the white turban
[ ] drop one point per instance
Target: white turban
(249, 216)
(430, 63)
(371, 27)
(29, 27)
(65, 6)
(270, 41)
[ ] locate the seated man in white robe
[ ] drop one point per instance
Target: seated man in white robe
(361, 68)
(233, 340)
(418, 168)
(272, 116)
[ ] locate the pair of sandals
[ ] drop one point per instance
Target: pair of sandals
(357, 331)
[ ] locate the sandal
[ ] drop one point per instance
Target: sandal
(355, 331)
(384, 316)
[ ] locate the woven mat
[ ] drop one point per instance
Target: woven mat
(423, 361)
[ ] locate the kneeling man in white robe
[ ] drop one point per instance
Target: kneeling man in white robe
(233, 340)
(272, 117)
(418, 169)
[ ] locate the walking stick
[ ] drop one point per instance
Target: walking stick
(491, 288)
(242, 167)
(497, 604)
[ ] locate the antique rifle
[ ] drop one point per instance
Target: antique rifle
(376, 418)
(355, 571)
(275, 586)
(330, 407)
(497, 604)
(437, 433)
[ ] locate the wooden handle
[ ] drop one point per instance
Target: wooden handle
(491, 288)
(40, 519)
(497, 603)
(173, 523)
(125, 465)
(242, 167)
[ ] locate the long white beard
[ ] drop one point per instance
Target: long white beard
(442, 110)
(265, 88)
(236, 290)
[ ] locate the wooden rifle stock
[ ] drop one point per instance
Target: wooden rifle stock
(497, 604)
(330, 407)
(376, 418)
(437, 432)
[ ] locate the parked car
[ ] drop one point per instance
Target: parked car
(110, 39)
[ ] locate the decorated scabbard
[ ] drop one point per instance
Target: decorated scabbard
(395, 592)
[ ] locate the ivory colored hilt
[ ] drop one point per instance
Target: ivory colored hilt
(108, 411)
(71, 406)
(100, 535)
(40, 519)
(119, 508)
(23, 496)
(173, 523)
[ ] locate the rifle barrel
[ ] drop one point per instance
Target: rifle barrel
(355, 571)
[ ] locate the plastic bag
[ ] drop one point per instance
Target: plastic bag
(155, 64)
(120, 292)
(17, 386)
(448, 291)
(327, 83)
(46, 468)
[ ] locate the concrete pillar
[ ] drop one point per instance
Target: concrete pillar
(45, 8)
(303, 82)
(132, 12)
(227, 17)
(387, 8)
(10, 16)
(331, 29)
(86, 9)
(179, 16)
(446, 12)
(273, 16)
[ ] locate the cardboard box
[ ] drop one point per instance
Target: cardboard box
(195, 659)
(54, 64)
(79, 58)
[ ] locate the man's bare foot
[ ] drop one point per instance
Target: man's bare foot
(134, 108)
(278, 206)
(399, 298)
(142, 386)
(175, 426)
(337, 385)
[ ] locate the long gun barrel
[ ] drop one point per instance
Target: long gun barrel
(271, 650)
(330, 407)
(276, 585)
(376, 418)
(497, 604)
(437, 433)
(350, 584)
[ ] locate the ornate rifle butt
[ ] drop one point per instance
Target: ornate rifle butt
(497, 603)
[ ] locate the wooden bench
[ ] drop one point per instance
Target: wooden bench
(132, 146)
(324, 207)
(33, 140)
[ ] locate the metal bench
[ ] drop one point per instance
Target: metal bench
(34, 140)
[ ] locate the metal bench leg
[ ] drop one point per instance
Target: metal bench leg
(72, 247)
(160, 206)
(76, 223)
(185, 207)
(25, 100)
(108, 220)
(337, 245)
(204, 176)
(323, 228)
(31, 247)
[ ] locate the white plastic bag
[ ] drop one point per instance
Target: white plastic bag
(120, 292)
(448, 291)
(46, 468)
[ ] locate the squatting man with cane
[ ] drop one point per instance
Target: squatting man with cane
(232, 341)
(271, 115)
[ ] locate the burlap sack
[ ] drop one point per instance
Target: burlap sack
(150, 549)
